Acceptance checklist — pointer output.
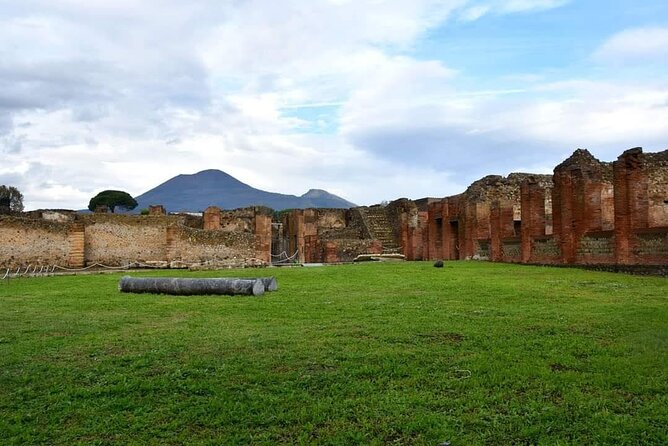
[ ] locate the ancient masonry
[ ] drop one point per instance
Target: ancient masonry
(587, 213)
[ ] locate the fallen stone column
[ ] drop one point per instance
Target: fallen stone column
(189, 287)
(270, 283)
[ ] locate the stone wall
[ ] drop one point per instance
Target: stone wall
(596, 247)
(192, 246)
(544, 250)
(26, 242)
(326, 235)
(123, 239)
(118, 240)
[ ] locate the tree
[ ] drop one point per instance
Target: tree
(10, 199)
(112, 199)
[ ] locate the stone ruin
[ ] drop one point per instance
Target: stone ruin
(587, 213)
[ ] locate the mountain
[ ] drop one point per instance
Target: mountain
(212, 187)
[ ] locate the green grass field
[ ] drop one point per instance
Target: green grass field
(391, 353)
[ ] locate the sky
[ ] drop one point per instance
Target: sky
(372, 100)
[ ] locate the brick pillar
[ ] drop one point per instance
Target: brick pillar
(496, 249)
(311, 232)
(420, 236)
(76, 238)
(533, 215)
(295, 225)
(171, 237)
(405, 237)
(330, 254)
(579, 185)
(470, 222)
(447, 238)
(263, 237)
(434, 247)
(405, 220)
(593, 210)
(409, 230)
(563, 215)
(504, 223)
(212, 218)
(631, 202)
(312, 252)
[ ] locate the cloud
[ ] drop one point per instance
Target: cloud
(414, 115)
(474, 11)
(634, 45)
(286, 96)
(528, 5)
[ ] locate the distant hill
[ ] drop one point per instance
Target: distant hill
(198, 191)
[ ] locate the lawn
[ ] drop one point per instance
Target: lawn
(391, 353)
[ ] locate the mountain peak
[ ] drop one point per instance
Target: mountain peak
(315, 193)
(213, 187)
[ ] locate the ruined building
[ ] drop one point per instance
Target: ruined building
(588, 213)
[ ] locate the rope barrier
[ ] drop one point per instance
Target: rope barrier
(286, 259)
(50, 270)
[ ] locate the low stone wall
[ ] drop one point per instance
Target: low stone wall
(512, 250)
(545, 250)
(190, 245)
(26, 242)
(651, 246)
(347, 250)
(482, 249)
(124, 239)
(597, 247)
(118, 240)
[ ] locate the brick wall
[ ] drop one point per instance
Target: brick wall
(588, 212)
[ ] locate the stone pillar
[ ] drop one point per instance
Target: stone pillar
(76, 238)
(212, 218)
(263, 237)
